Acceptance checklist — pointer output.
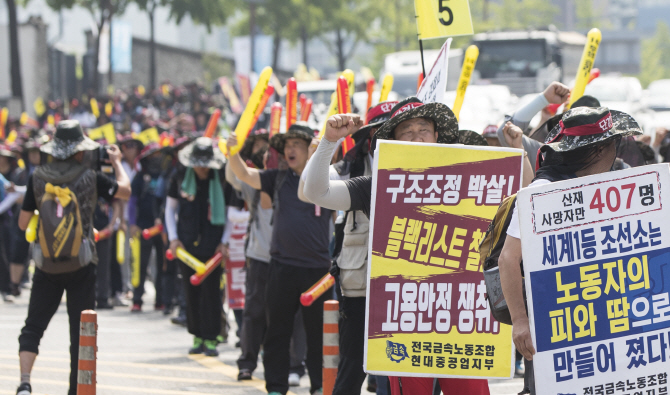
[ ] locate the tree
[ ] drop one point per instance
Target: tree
(205, 12)
(656, 55)
(515, 14)
(15, 60)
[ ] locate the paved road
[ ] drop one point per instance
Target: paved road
(137, 354)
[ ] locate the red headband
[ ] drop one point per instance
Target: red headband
(379, 110)
(602, 126)
(406, 108)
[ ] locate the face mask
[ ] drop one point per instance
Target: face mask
(257, 158)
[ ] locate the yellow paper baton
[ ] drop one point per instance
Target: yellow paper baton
(349, 75)
(120, 246)
(332, 110)
(585, 65)
(188, 259)
(471, 55)
(244, 124)
(135, 266)
(94, 107)
(31, 230)
(387, 85)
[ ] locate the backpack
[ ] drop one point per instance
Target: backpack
(490, 248)
(62, 245)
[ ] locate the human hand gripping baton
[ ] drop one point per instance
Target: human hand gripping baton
(101, 234)
(210, 265)
(308, 297)
(188, 259)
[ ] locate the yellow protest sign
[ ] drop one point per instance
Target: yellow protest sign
(149, 136)
(584, 71)
(39, 107)
(105, 131)
(441, 18)
(427, 312)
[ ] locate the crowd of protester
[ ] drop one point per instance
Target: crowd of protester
(308, 206)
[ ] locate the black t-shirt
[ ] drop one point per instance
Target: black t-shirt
(105, 186)
(299, 236)
(360, 192)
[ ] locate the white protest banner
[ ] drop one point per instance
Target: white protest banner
(434, 86)
(597, 279)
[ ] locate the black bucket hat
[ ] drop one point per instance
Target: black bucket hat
(248, 146)
(299, 130)
(202, 153)
(446, 124)
(584, 126)
(68, 140)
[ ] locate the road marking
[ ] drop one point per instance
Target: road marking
(131, 376)
(230, 371)
(118, 363)
(116, 387)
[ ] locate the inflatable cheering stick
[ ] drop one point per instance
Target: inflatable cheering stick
(308, 297)
(151, 232)
(210, 265)
(31, 230)
(120, 246)
(188, 259)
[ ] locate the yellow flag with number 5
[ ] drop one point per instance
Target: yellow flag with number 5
(442, 18)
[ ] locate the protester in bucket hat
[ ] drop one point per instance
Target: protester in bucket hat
(195, 218)
(411, 121)
(300, 130)
(201, 153)
(68, 140)
(583, 143)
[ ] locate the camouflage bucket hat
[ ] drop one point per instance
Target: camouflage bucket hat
(299, 130)
(468, 137)
(584, 126)
(446, 124)
(202, 153)
(68, 140)
(248, 146)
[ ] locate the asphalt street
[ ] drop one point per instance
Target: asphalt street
(138, 354)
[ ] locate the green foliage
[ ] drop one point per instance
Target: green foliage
(215, 67)
(655, 62)
(515, 14)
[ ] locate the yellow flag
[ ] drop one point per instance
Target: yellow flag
(442, 18)
(105, 131)
(39, 107)
(149, 136)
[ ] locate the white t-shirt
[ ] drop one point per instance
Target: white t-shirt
(513, 228)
